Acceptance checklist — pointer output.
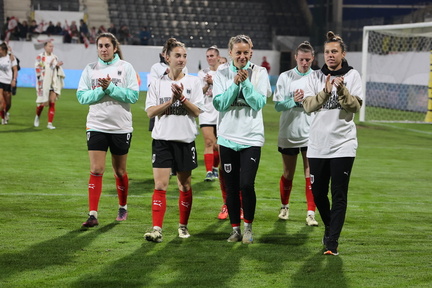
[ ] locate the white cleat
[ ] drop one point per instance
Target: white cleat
(310, 220)
(284, 213)
(36, 121)
(50, 126)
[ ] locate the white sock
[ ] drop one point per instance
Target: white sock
(157, 228)
(285, 206)
(248, 226)
(94, 213)
(125, 206)
(310, 212)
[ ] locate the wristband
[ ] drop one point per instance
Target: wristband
(182, 99)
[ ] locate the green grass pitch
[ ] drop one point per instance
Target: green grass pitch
(386, 240)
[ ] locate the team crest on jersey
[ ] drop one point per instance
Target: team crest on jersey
(312, 178)
(227, 168)
(119, 73)
(153, 158)
(188, 91)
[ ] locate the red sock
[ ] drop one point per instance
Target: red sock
(94, 190)
(216, 158)
(309, 196)
(51, 112)
(158, 207)
(208, 161)
(39, 109)
(2, 114)
(285, 186)
(185, 206)
(122, 184)
(222, 185)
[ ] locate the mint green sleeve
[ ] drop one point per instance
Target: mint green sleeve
(84, 93)
(128, 94)
(285, 105)
(223, 101)
(255, 100)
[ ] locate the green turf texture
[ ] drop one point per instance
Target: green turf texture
(386, 240)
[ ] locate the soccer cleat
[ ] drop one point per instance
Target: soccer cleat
(7, 117)
(50, 126)
(215, 173)
(235, 236)
(4, 122)
(36, 121)
(223, 214)
(241, 214)
(247, 237)
(154, 236)
(183, 232)
(284, 213)
(122, 214)
(331, 252)
(209, 177)
(91, 222)
(310, 220)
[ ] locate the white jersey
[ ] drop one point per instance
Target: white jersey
(6, 65)
(295, 122)
(240, 107)
(109, 110)
(210, 116)
(333, 132)
(158, 70)
(175, 124)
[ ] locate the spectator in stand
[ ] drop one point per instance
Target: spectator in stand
(112, 29)
(33, 28)
(92, 35)
(102, 29)
(74, 33)
(124, 35)
(50, 29)
(23, 31)
(83, 30)
(58, 30)
(144, 36)
(266, 64)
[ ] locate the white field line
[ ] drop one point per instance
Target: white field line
(149, 195)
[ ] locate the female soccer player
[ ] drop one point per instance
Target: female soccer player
(334, 95)
(294, 128)
(49, 82)
(108, 86)
(208, 119)
(175, 100)
(8, 77)
(240, 91)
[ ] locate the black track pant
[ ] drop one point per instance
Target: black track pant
(336, 171)
(239, 170)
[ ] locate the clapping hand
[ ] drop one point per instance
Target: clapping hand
(104, 82)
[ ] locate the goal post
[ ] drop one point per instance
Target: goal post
(396, 72)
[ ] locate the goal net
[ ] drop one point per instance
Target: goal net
(396, 72)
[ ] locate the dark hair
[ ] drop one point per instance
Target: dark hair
(46, 43)
(332, 37)
(114, 42)
(305, 47)
(172, 43)
(3, 46)
(239, 39)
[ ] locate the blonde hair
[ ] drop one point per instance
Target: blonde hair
(239, 39)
